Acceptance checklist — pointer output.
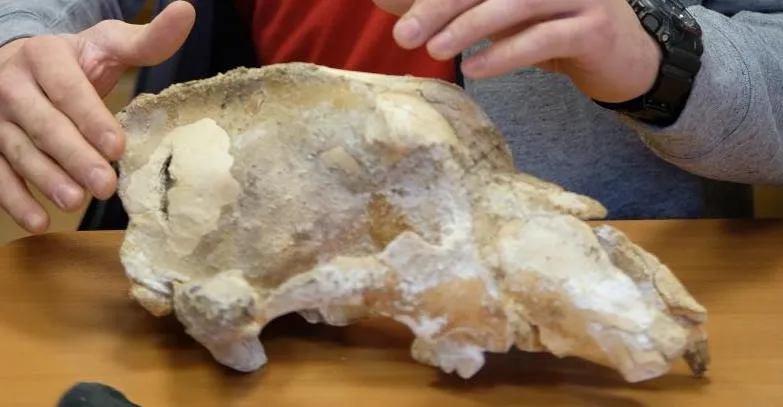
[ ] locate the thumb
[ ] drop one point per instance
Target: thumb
(148, 44)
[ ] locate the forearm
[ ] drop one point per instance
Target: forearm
(732, 126)
(25, 18)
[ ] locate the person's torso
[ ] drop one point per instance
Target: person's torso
(555, 132)
(346, 34)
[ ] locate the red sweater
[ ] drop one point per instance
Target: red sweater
(347, 34)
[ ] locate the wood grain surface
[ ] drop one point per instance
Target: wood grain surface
(65, 317)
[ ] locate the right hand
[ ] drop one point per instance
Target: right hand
(55, 131)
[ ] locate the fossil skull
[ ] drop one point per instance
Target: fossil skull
(340, 195)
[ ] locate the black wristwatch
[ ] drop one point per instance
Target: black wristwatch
(679, 36)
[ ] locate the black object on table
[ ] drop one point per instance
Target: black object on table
(88, 394)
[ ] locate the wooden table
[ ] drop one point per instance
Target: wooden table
(65, 317)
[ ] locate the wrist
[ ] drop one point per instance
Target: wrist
(678, 37)
(652, 57)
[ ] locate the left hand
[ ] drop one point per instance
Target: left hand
(599, 44)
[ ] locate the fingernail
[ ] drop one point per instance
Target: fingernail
(67, 197)
(474, 65)
(98, 177)
(107, 142)
(441, 45)
(34, 221)
(408, 31)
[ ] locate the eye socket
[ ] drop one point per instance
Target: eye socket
(168, 182)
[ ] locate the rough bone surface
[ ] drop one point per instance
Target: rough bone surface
(341, 196)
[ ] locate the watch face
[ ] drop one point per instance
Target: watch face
(672, 6)
(678, 12)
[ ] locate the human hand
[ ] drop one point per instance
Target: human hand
(600, 45)
(55, 131)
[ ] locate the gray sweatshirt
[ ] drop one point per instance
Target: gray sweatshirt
(731, 130)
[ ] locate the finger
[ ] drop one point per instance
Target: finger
(26, 160)
(495, 17)
(425, 18)
(62, 79)
(541, 43)
(17, 200)
(145, 45)
(396, 7)
(56, 135)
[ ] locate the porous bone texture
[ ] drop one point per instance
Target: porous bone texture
(339, 195)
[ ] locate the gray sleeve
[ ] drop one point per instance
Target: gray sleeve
(732, 126)
(26, 18)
